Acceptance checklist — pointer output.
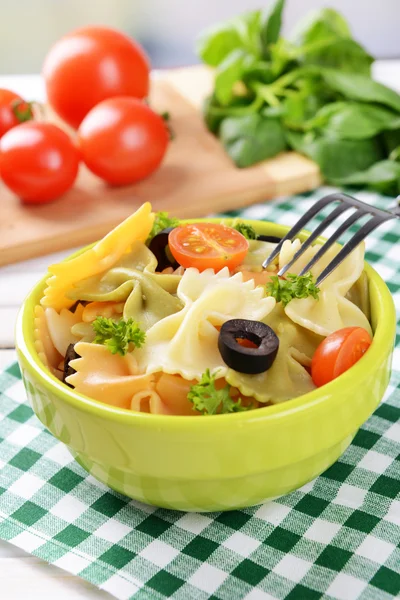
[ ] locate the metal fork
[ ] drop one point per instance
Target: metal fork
(377, 217)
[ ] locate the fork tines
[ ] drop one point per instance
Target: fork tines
(345, 203)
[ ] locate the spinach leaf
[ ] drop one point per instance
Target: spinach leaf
(383, 176)
(299, 108)
(304, 143)
(356, 86)
(215, 43)
(214, 112)
(283, 56)
(342, 53)
(391, 140)
(338, 158)
(229, 72)
(395, 154)
(249, 26)
(320, 25)
(353, 120)
(251, 139)
(271, 24)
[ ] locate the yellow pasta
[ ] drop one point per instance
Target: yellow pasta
(101, 257)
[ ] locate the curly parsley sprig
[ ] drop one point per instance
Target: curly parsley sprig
(208, 400)
(294, 286)
(161, 221)
(118, 335)
(247, 230)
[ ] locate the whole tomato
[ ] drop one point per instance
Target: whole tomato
(122, 140)
(13, 110)
(89, 65)
(38, 161)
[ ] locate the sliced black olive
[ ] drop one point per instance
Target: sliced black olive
(68, 370)
(261, 351)
(76, 304)
(269, 238)
(159, 247)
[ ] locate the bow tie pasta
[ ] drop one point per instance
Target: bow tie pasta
(133, 286)
(112, 379)
(187, 341)
(332, 311)
(288, 376)
(191, 341)
(98, 259)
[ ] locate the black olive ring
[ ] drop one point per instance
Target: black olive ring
(244, 359)
(159, 247)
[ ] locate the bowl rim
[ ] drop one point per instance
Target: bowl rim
(384, 335)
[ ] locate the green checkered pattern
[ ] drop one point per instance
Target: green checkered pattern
(338, 537)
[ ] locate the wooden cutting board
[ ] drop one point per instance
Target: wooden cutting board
(196, 179)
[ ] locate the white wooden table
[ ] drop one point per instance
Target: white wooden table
(21, 575)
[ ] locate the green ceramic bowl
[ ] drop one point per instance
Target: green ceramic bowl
(217, 462)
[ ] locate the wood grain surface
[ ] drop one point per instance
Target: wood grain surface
(195, 179)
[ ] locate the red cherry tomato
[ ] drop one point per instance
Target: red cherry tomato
(89, 65)
(338, 352)
(38, 161)
(207, 246)
(122, 140)
(13, 110)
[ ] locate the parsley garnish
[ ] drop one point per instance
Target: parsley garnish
(294, 286)
(247, 230)
(161, 221)
(117, 335)
(210, 401)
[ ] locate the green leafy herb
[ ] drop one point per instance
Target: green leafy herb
(312, 93)
(320, 25)
(357, 86)
(161, 221)
(118, 335)
(353, 120)
(229, 72)
(247, 230)
(251, 139)
(270, 26)
(209, 400)
(339, 158)
(216, 43)
(294, 286)
(383, 176)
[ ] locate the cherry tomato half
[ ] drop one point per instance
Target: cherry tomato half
(338, 352)
(89, 65)
(38, 161)
(122, 140)
(207, 246)
(13, 110)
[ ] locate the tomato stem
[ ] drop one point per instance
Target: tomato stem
(166, 116)
(22, 110)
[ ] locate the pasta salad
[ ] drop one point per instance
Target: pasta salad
(182, 319)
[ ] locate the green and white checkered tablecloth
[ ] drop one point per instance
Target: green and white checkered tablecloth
(336, 538)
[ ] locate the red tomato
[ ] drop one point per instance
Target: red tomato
(338, 352)
(89, 65)
(13, 110)
(207, 246)
(38, 161)
(122, 140)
